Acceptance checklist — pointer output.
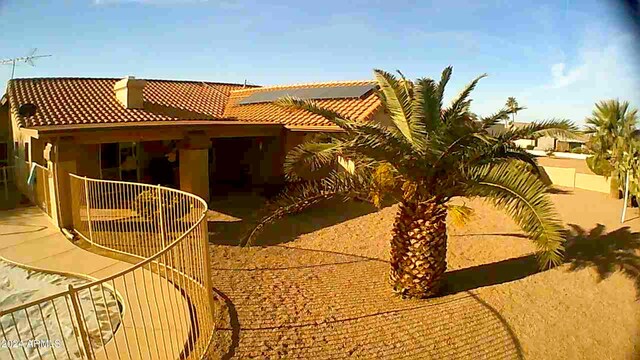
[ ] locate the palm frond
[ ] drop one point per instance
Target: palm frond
(460, 215)
(497, 151)
(397, 102)
(444, 80)
(378, 143)
(460, 104)
(383, 182)
(493, 119)
(426, 106)
(553, 128)
(288, 102)
(308, 158)
(523, 196)
(300, 197)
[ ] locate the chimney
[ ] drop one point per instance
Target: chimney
(129, 92)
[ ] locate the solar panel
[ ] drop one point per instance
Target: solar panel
(329, 92)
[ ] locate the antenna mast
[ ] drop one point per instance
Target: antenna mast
(25, 59)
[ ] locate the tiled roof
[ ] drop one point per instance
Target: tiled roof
(67, 101)
(358, 109)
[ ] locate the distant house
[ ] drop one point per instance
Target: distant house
(523, 143)
(560, 143)
(202, 137)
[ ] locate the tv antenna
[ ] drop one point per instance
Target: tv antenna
(24, 59)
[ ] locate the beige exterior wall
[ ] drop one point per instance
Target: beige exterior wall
(21, 139)
(37, 151)
(523, 143)
(593, 183)
(545, 143)
(568, 177)
(88, 160)
(561, 176)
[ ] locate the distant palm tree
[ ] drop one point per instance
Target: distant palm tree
(612, 126)
(512, 105)
(426, 156)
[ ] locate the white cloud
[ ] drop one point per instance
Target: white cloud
(604, 61)
(602, 66)
(562, 78)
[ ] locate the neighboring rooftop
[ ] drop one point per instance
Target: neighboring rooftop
(353, 99)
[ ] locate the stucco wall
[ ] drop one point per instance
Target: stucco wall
(37, 151)
(568, 177)
(593, 182)
(88, 160)
(561, 176)
(546, 142)
(523, 143)
(21, 139)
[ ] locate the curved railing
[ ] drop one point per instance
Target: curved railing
(165, 307)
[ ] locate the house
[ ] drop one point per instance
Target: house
(201, 137)
(561, 143)
(523, 143)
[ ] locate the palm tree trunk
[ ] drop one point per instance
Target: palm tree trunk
(419, 249)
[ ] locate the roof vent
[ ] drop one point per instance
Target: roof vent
(27, 110)
(129, 92)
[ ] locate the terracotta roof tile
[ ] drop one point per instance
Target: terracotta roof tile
(358, 109)
(67, 101)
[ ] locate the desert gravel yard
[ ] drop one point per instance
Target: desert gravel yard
(316, 287)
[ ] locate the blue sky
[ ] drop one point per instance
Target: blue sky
(556, 57)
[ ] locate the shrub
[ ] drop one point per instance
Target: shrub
(602, 167)
(530, 147)
(549, 152)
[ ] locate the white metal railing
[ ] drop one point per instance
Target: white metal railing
(166, 306)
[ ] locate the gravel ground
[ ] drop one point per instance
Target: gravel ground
(317, 288)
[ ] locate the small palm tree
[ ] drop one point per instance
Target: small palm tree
(612, 127)
(512, 105)
(424, 157)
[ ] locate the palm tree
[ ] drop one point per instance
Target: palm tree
(612, 126)
(426, 156)
(512, 105)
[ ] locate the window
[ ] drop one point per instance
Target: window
(26, 151)
(119, 161)
(4, 153)
(109, 165)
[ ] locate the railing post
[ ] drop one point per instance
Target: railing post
(84, 336)
(207, 266)
(86, 195)
(161, 212)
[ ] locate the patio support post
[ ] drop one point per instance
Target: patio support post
(64, 163)
(194, 165)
